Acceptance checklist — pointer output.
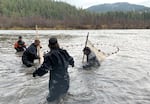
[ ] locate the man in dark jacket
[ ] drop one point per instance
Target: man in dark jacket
(91, 58)
(56, 62)
(30, 54)
(20, 45)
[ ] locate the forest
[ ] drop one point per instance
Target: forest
(51, 14)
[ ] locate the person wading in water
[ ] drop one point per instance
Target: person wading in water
(92, 60)
(56, 62)
(30, 54)
(20, 45)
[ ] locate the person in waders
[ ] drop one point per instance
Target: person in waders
(56, 62)
(30, 54)
(92, 60)
(20, 45)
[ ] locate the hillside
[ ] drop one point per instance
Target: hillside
(45, 13)
(43, 8)
(50, 14)
(121, 6)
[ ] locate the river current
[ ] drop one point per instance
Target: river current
(122, 78)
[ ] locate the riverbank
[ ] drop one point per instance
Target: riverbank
(86, 27)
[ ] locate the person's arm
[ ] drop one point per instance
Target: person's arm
(32, 50)
(16, 45)
(71, 61)
(89, 63)
(24, 45)
(91, 60)
(69, 58)
(45, 67)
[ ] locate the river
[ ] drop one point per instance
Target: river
(122, 78)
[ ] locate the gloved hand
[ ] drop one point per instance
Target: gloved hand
(34, 74)
(72, 64)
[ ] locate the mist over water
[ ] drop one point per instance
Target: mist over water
(123, 78)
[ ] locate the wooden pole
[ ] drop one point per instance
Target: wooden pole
(39, 52)
(36, 29)
(85, 45)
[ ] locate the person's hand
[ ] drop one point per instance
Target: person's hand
(73, 65)
(34, 74)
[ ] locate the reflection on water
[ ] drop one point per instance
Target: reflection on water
(123, 78)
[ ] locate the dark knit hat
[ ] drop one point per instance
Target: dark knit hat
(52, 41)
(86, 49)
(20, 37)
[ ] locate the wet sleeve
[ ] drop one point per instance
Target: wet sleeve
(33, 51)
(45, 67)
(71, 61)
(87, 65)
(91, 60)
(24, 45)
(69, 58)
(16, 45)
